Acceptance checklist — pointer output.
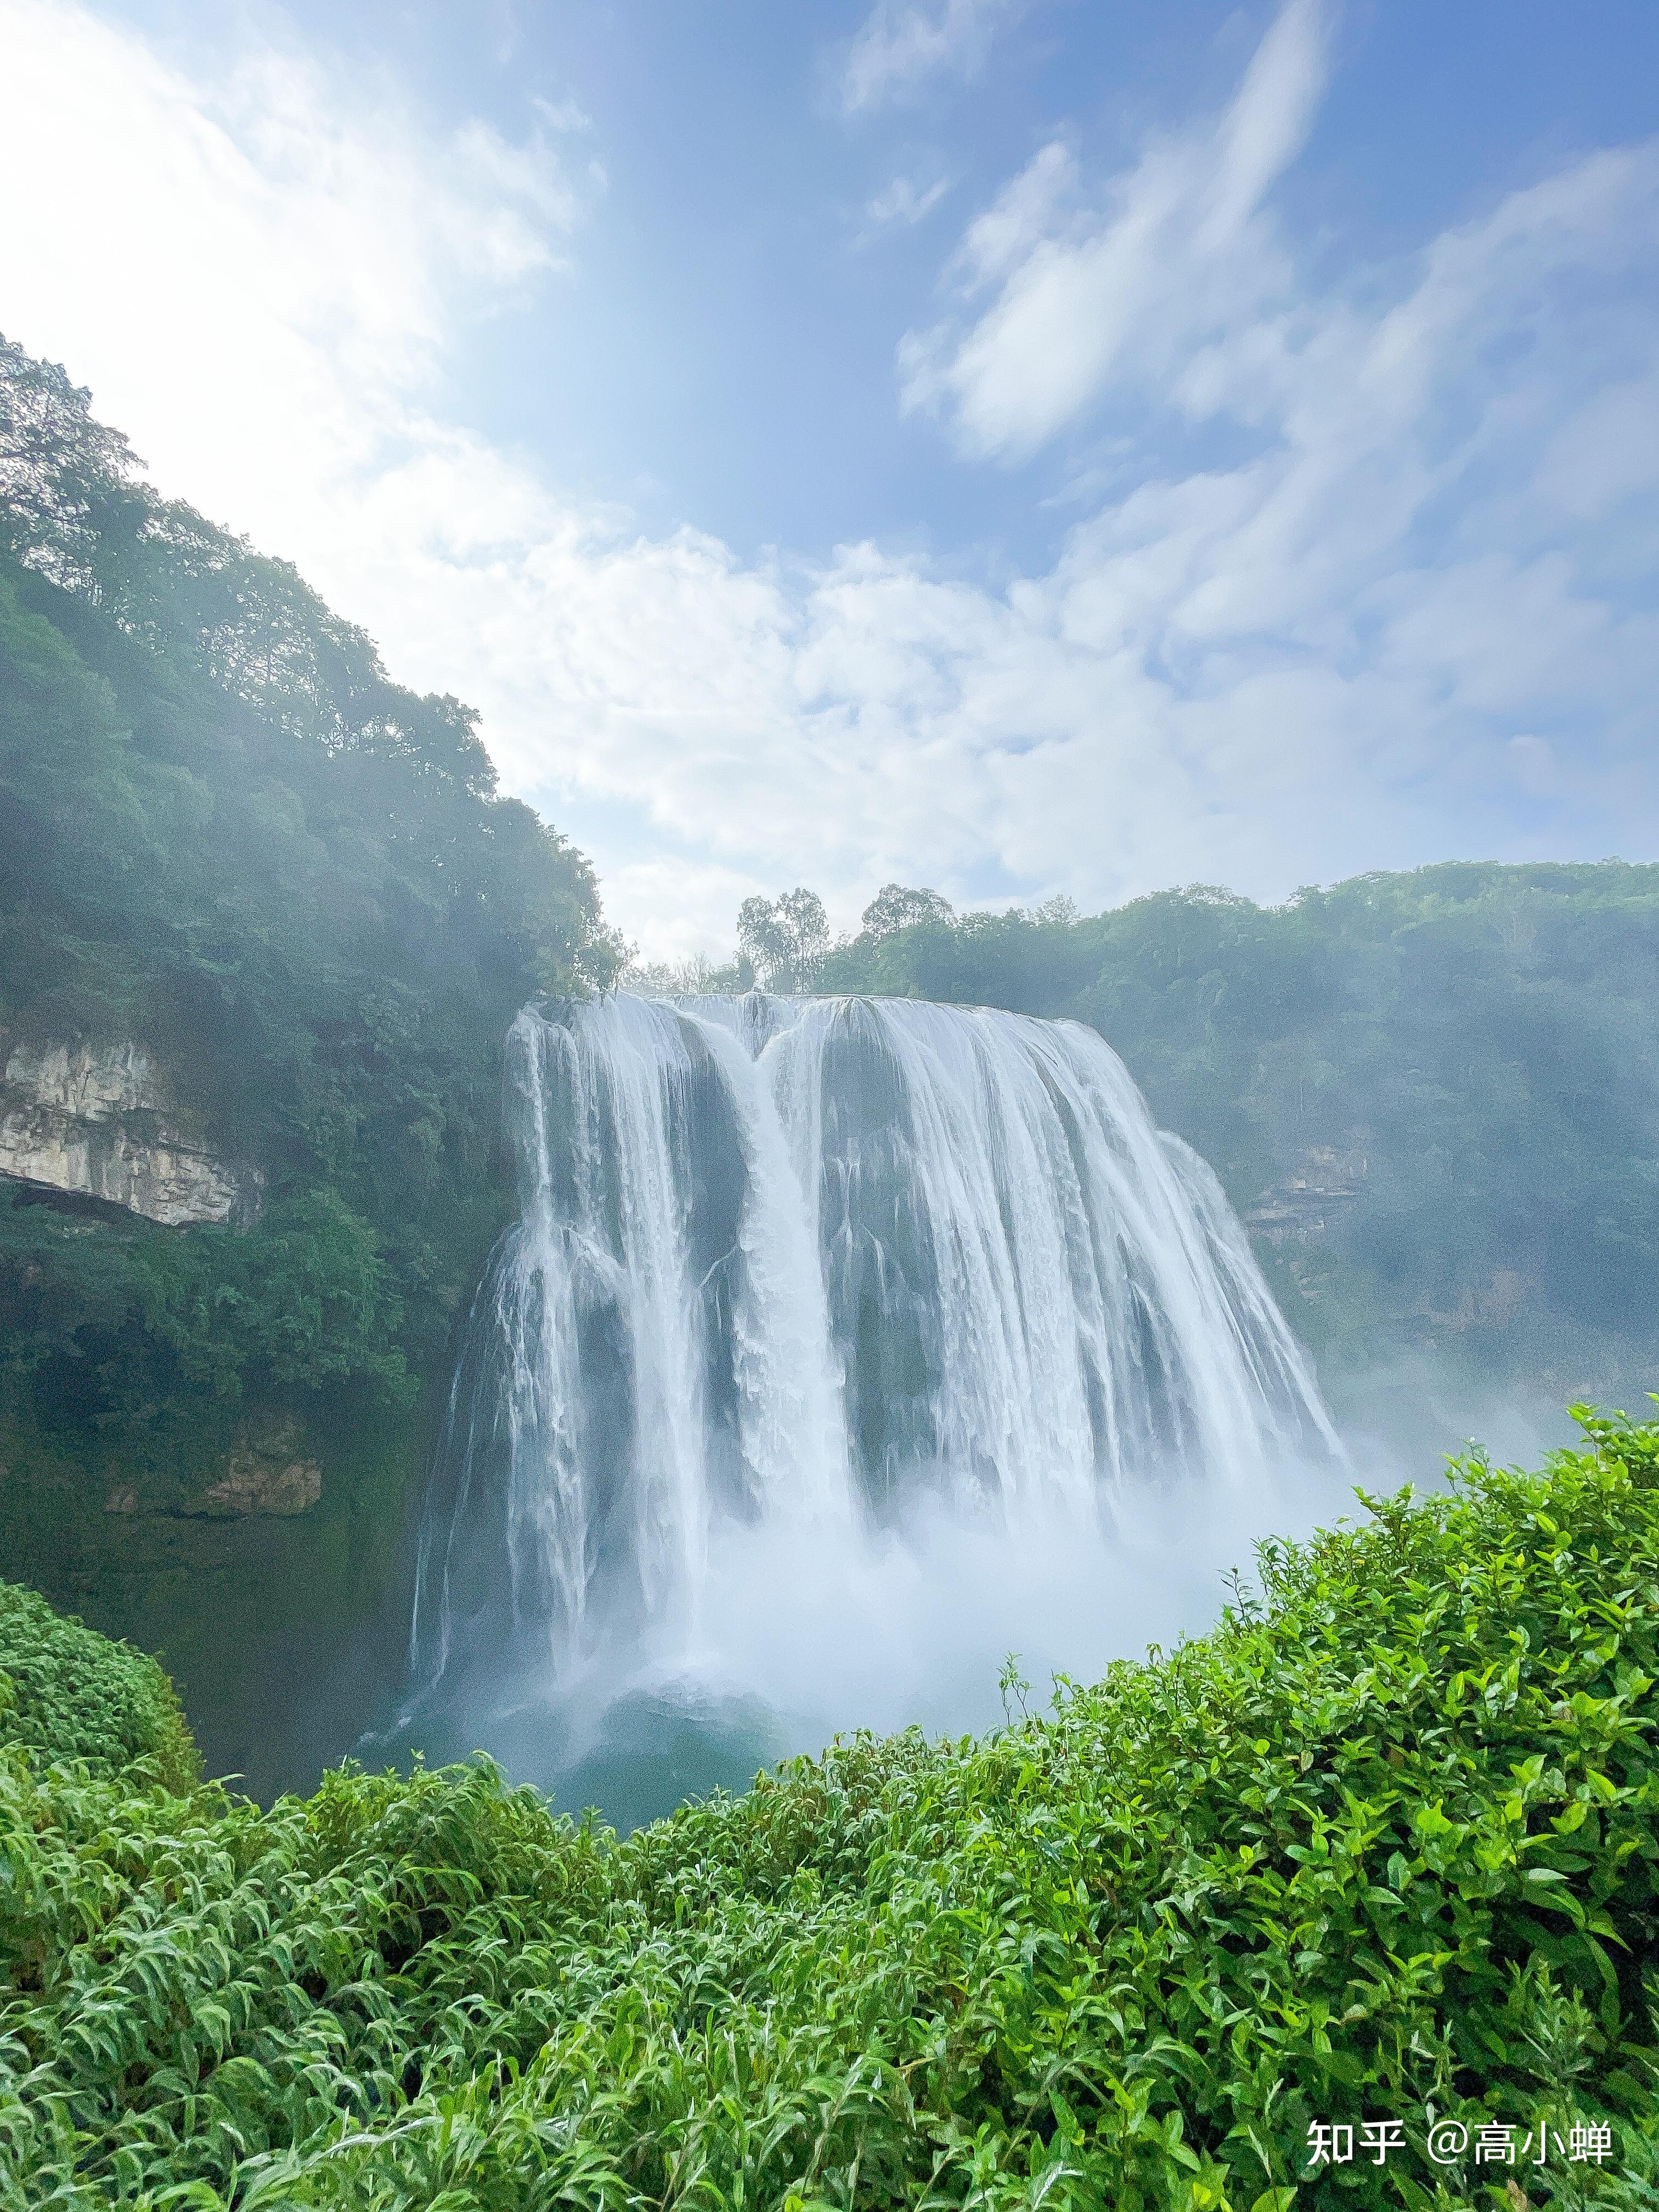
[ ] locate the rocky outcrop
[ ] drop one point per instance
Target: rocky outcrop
(1304, 1205)
(267, 1473)
(101, 1121)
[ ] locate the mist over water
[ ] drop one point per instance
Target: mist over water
(841, 1347)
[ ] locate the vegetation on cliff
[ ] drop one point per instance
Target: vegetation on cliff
(226, 832)
(1436, 1090)
(1380, 1852)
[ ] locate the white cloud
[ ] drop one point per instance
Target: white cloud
(261, 274)
(905, 202)
(1132, 288)
(1403, 605)
(902, 43)
(1532, 760)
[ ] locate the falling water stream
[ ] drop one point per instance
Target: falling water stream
(803, 1293)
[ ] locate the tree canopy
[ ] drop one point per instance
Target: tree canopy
(1436, 1091)
(226, 832)
(783, 940)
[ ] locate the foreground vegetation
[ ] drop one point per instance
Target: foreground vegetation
(1382, 1849)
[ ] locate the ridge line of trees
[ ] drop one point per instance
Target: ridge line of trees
(1436, 1090)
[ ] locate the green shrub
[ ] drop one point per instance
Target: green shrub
(303, 1302)
(1385, 1843)
(70, 1696)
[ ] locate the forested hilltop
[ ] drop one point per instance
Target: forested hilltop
(227, 839)
(1434, 1096)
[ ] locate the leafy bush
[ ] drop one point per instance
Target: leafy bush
(1386, 1841)
(304, 1300)
(69, 1696)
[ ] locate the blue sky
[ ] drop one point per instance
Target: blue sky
(1018, 448)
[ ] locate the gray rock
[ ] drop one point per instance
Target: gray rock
(266, 1473)
(102, 1121)
(1307, 1204)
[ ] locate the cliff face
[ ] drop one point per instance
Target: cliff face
(1309, 1201)
(101, 1121)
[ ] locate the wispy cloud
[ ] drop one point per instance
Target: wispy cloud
(263, 272)
(1409, 614)
(1133, 284)
(905, 203)
(903, 42)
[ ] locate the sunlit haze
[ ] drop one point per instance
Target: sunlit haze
(1020, 449)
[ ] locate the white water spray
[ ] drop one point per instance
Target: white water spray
(793, 1274)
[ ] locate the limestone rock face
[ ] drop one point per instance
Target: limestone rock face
(101, 1121)
(267, 1473)
(1307, 1204)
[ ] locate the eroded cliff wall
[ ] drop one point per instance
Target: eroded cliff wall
(103, 1121)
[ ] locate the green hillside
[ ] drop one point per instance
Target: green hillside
(227, 834)
(1379, 1854)
(1433, 1096)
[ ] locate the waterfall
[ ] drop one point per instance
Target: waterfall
(808, 1261)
